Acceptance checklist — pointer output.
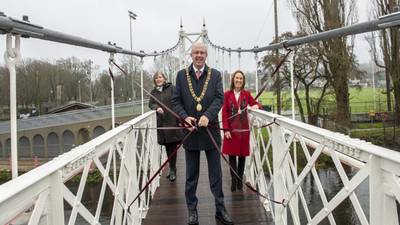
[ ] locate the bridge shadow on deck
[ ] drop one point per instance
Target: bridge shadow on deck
(169, 206)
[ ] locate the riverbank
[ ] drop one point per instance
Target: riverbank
(94, 177)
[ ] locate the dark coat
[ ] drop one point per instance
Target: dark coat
(184, 104)
(166, 119)
(238, 145)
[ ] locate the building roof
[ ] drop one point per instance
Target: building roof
(69, 107)
(76, 116)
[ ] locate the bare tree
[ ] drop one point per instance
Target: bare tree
(307, 73)
(168, 65)
(388, 53)
(103, 86)
(39, 80)
(37, 83)
(5, 86)
(337, 54)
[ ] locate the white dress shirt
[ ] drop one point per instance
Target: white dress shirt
(237, 95)
(201, 70)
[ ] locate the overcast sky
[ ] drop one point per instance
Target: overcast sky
(229, 23)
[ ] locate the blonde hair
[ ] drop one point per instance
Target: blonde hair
(156, 75)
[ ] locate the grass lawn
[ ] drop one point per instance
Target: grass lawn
(367, 125)
(379, 136)
(361, 100)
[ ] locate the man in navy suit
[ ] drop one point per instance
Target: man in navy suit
(197, 98)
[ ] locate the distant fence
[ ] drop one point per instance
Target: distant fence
(269, 104)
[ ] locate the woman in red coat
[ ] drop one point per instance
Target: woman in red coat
(234, 116)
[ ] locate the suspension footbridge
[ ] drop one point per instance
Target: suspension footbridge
(127, 156)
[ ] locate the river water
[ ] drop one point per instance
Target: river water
(90, 198)
(344, 214)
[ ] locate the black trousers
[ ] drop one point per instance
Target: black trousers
(237, 163)
(214, 176)
(170, 147)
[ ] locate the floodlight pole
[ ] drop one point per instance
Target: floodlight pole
(132, 16)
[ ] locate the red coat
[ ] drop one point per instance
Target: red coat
(238, 145)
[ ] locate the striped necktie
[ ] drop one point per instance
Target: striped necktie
(198, 74)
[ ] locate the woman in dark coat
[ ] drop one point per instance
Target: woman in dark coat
(234, 116)
(169, 138)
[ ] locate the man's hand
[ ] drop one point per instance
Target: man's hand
(203, 121)
(160, 110)
(228, 135)
(192, 121)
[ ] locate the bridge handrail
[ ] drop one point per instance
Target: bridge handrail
(275, 170)
(32, 184)
(357, 147)
(14, 186)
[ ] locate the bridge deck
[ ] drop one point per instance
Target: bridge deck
(169, 207)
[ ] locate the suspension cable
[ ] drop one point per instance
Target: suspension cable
(195, 128)
(223, 69)
(110, 68)
(217, 148)
(12, 57)
(239, 56)
(256, 75)
(230, 61)
(141, 83)
(273, 73)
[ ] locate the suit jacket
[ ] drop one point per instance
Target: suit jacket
(238, 145)
(184, 104)
(166, 119)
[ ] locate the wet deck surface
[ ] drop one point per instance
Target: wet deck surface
(169, 206)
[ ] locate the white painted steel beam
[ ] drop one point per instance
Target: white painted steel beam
(43, 188)
(381, 165)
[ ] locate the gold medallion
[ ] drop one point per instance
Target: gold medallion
(198, 107)
(196, 98)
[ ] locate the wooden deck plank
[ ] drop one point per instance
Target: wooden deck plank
(169, 206)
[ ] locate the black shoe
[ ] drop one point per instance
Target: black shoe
(168, 174)
(193, 217)
(224, 218)
(240, 185)
(172, 175)
(233, 184)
